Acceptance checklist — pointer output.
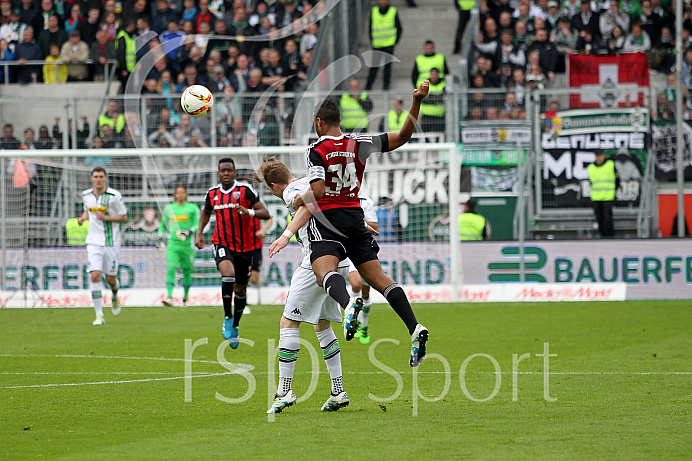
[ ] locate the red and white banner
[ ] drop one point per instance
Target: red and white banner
(614, 79)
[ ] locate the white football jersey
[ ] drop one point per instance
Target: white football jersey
(103, 233)
(294, 189)
(368, 207)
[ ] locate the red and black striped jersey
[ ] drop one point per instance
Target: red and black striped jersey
(340, 162)
(232, 230)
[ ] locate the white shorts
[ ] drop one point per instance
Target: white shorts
(352, 268)
(103, 259)
(308, 302)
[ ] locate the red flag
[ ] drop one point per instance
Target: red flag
(617, 78)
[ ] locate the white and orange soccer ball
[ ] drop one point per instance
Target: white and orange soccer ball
(197, 101)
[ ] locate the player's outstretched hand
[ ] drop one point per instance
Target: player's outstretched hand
(422, 91)
(278, 245)
(199, 243)
(80, 221)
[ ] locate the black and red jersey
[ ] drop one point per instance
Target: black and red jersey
(340, 162)
(232, 230)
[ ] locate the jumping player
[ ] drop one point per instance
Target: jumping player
(306, 301)
(336, 163)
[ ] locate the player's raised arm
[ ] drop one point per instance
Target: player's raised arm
(397, 140)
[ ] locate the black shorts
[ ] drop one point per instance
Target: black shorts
(341, 232)
(242, 262)
(256, 259)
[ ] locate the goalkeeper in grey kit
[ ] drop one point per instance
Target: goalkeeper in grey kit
(180, 220)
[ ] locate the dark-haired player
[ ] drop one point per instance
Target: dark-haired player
(335, 169)
(234, 205)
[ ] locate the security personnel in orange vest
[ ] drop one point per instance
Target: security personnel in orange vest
(472, 226)
(385, 33)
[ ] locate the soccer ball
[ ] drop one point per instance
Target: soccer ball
(197, 100)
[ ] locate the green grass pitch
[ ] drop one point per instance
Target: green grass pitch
(621, 383)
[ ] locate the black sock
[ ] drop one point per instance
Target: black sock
(335, 286)
(227, 295)
(240, 303)
(397, 299)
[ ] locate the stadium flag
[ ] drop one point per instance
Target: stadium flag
(618, 79)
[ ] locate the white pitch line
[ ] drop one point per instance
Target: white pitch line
(33, 373)
(109, 357)
(119, 382)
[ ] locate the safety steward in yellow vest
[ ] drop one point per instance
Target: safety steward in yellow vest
(76, 234)
(125, 51)
(396, 116)
(473, 226)
(464, 8)
(385, 33)
(604, 183)
(111, 118)
(355, 107)
(432, 109)
(426, 62)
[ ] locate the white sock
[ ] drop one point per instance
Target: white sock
(357, 294)
(332, 357)
(289, 346)
(96, 297)
(364, 313)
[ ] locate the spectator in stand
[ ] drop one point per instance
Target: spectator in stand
(53, 34)
(650, 22)
(216, 43)
(553, 15)
(485, 68)
(82, 135)
(547, 53)
(54, 71)
(75, 52)
(8, 140)
(637, 41)
(203, 15)
(522, 38)
(166, 86)
(616, 40)
(585, 19)
(289, 14)
(589, 43)
(505, 21)
(194, 59)
(189, 10)
(275, 71)
(29, 139)
(565, 40)
(385, 32)
(5, 11)
(488, 37)
(13, 30)
(28, 50)
(28, 12)
(107, 137)
(44, 139)
(265, 128)
(190, 78)
(161, 134)
(162, 14)
(261, 12)
(255, 87)
(202, 37)
(184, 130)
(290, 60)
(240, 26)
(522, 14)
(662, 56)
(219, 82)
(309, 39)
(303, 67)
(227, 108)
(218, 8)
(425, 62)
(75, 18)
(89, 27)
(101, 51)
(140, 9)
(518, 85)
(505, 75)
(5, 55)
(42, 19)
(612, 17)
(508, 52)
(110, 25)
